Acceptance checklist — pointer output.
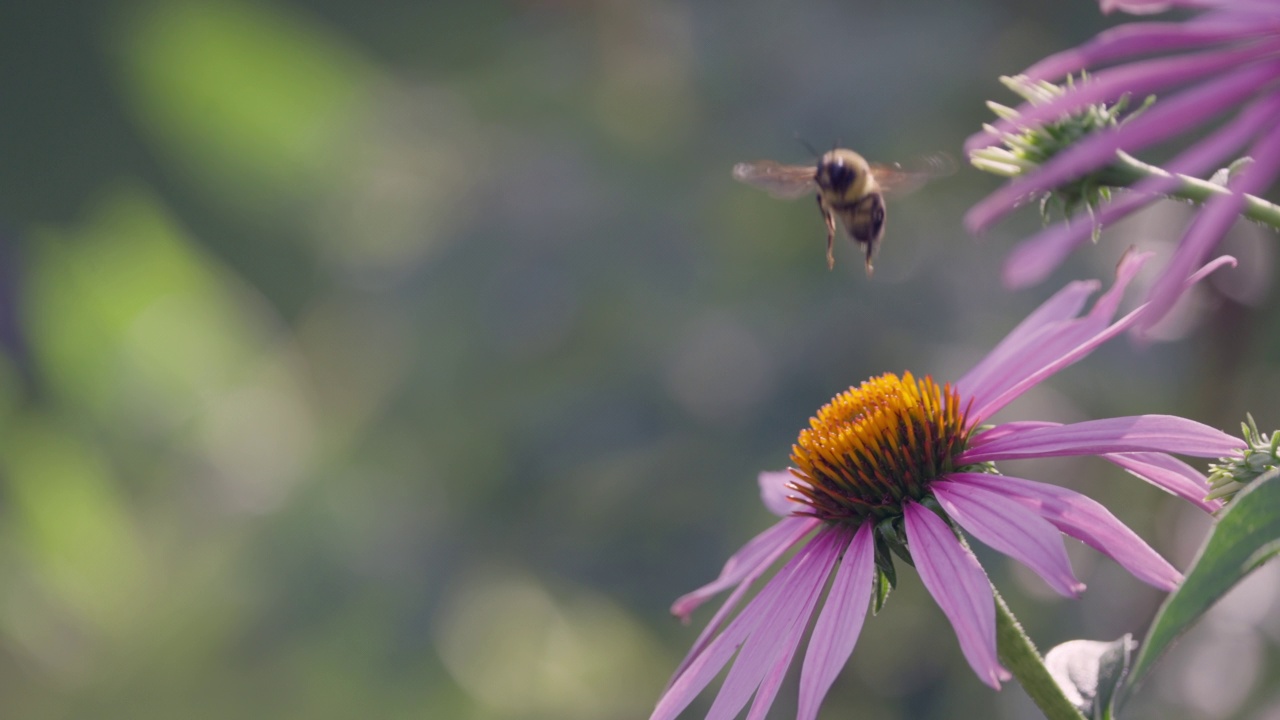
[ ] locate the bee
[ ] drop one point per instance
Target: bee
(847, 187)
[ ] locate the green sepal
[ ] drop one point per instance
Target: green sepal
(883, 585)
(893, 536)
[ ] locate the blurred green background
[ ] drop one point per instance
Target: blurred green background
(406, 360)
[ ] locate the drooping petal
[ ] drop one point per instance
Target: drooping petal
(1208, 227)
(1033, 259)
(1012, 529)
(780, 633)
(1136, 433)
(768, 690)
(1169, 474)
(699, 670)
(955, 579)
(1083, 519)
(791, 532)
(839, 623)
(762, 549)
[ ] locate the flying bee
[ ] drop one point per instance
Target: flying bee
(847, 187)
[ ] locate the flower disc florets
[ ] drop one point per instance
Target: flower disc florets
(1261, 456)
(874, 446)
(1025, 150)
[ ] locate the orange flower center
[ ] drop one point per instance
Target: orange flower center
(874, 446)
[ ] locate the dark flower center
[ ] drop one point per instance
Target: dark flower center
(874, 446)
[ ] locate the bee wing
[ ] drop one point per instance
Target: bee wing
(897, 180)
(786, 182)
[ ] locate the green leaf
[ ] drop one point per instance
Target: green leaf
(1247, 535)
(1089, 671)
(884, 583)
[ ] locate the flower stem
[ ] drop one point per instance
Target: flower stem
(1129, 170)
(1020, 656)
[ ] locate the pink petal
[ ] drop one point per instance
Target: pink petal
(1144, 38)
(748, 569)
(1136, 433)
(1169, 474)
(839, 623)
(1009, 428)
(768, 690)
(1066, 304)
(1012, 529)
(1033, 259)
(955, 579)
(1136, 79)
(1149, 7)
(777, 594)
(762, 549)
(1054, 347)
(1083, 519)
(775, 494)
(1166, 119)
(779, 634)
(1210, 225)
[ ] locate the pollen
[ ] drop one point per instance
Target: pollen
(875, 446)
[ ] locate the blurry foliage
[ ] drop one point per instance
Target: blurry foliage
(407, 360)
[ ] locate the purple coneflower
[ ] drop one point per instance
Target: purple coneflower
(1222, 63)
(887, 463)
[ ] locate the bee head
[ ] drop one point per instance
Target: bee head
(841, 170)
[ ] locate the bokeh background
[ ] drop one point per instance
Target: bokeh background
(406, 360)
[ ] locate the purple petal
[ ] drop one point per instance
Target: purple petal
(775, 494)
(839, 623)
(1169, 474)
(1136, 433)
(1210, 225)
(778, 635)
(787, 533)
(1142, 39)
(1033, 259)
(1066, 304)
(1012, 529)
(763, 549)
(955, 579)
(1055, 347)
(768, 689)
(1085, 520)
(1136, 79)
(777, 594)
(1149, 7)
(1009, 428)
(1166, 119)
(1021, 370)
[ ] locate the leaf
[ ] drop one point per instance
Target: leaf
(884, 583)
(1246, 536)
(1089, 671)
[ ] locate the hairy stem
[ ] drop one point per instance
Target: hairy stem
(1129, 170)
(1020, 656)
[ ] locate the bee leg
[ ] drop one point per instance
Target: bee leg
(831, 232)
(868, 226)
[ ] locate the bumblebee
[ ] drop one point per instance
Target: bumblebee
(847, 187)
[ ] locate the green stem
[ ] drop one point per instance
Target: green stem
(1130, 170)
(1020, 656)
